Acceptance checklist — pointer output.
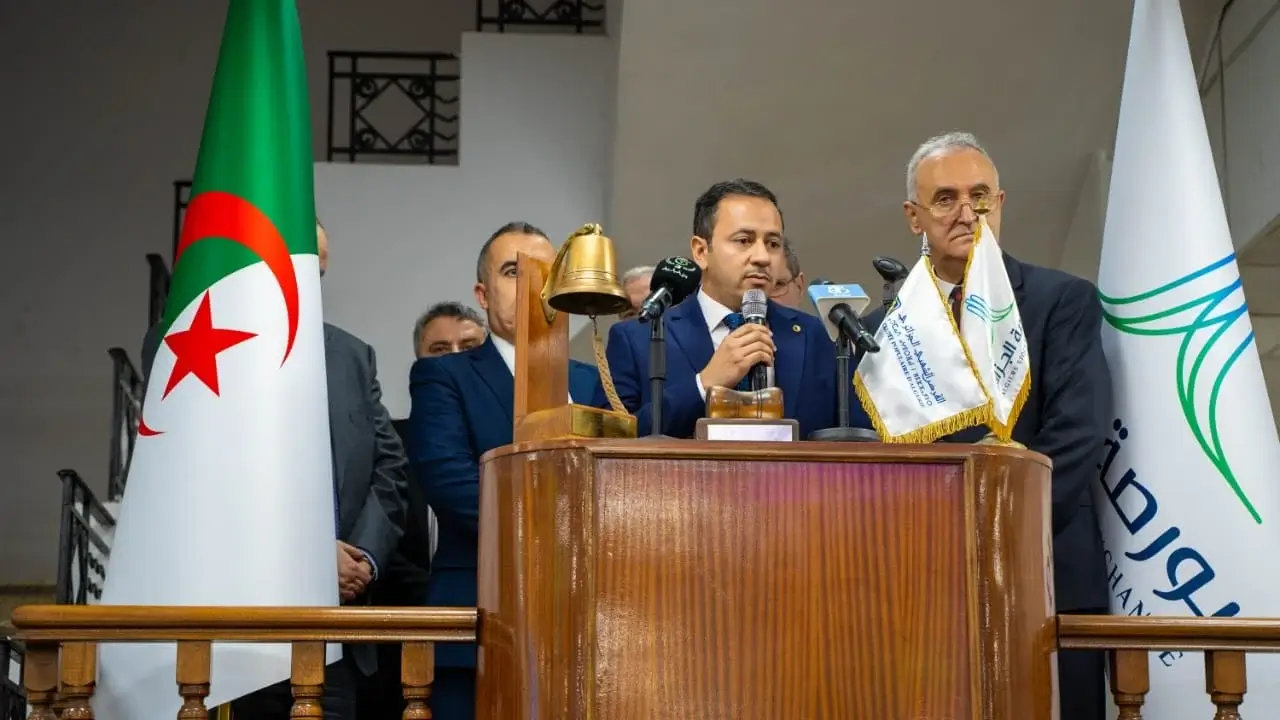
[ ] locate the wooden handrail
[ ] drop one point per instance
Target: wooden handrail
(1118, 632)
(88, 623)
(62, 646)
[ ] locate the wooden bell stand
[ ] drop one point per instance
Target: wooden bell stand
(542, 410)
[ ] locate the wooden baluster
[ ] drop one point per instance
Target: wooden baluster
(1130, 681)
(308, 680)
(193, 678)
(1224, 680)
(417, 668)
(40, 677)
(79, 674)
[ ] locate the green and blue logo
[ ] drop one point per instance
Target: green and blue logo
(975, 305)
(1201, 319)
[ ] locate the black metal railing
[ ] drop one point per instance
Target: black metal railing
(580, 16)
(159, 288)
(181, 196)
(393, 105)
(126, 411)
(13, 699)
(84, 544)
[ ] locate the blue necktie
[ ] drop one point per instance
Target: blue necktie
(733, 321)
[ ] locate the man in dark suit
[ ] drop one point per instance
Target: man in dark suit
(462, 407)
(1068, 409)
(369, 475)
(738, 238)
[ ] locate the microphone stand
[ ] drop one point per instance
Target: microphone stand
(842, 432)
(657, 374)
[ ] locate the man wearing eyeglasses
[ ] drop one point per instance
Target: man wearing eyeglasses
(788, 279)
(951, 182)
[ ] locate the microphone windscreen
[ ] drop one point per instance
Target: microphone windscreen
(891, 269)
(825, 297)
(679, 275)
(755, 304)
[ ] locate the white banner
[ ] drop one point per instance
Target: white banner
(1188, 497)
(920, 386)
(991, 327)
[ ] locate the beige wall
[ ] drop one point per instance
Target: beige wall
(824, 102)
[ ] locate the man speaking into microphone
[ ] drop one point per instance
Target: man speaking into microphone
(737, 239)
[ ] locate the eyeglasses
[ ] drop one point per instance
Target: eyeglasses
(780, 287)
(981, 203)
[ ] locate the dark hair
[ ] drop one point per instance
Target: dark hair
(704, 210)
(793, 260)
(449, 309)
(516, 226)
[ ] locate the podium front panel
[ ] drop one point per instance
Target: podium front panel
(757, 580)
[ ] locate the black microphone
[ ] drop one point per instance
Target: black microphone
(673, 280)
(891, 271)
(851, 327)
(844, 320)
(755, 305)
(845, 328)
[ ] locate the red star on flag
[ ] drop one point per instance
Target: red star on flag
(196, 349)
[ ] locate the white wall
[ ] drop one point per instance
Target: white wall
(535, 143)
(103, 106)
(1250, 168)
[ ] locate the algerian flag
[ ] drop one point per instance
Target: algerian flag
(1188, 498)
(992, 331)
(921, 385)
(230, 496)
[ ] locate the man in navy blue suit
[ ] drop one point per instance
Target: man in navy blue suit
(738, 238)
(462, 407)
(1068, 410)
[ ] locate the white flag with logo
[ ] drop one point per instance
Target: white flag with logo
(921, 385)
(1187, 493)
(991, 328)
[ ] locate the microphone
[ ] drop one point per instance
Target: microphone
(755, 305)
(892, 272)
(674, 279)
(838, 307)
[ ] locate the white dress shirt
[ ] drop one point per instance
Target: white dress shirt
(508, 353)
(715, 315)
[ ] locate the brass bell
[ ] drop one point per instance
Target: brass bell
(584, 278)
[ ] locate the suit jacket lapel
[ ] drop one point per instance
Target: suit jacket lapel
(687, 329)
(1013, 268)
(493, 371)
(788, 362)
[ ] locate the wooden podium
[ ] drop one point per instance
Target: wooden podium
(642, 579)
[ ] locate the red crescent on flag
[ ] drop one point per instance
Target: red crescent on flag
(223, 215)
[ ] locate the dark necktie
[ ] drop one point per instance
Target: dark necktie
(733, 321)
(957, 303)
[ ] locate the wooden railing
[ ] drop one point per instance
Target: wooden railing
(62, 640)
(1131, 641)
